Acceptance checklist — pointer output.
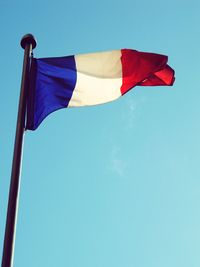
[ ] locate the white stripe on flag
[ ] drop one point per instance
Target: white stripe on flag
(99, 78)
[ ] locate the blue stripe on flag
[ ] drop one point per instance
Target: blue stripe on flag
(51, 87)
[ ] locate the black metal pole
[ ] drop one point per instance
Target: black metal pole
(28, 43)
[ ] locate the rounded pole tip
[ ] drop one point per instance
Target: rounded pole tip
(28, 39)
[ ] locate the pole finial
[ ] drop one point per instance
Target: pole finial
(28, 39)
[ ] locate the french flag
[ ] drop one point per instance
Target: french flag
(91, 79)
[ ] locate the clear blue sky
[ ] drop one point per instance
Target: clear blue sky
(116, 185)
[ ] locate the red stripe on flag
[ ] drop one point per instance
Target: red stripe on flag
(141, 68)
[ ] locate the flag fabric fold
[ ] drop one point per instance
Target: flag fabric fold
(91, 79)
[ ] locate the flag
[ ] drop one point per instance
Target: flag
(91, 79)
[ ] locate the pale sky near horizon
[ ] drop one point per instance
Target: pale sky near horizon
(116, 185)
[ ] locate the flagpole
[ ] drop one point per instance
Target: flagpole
(27, 43)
